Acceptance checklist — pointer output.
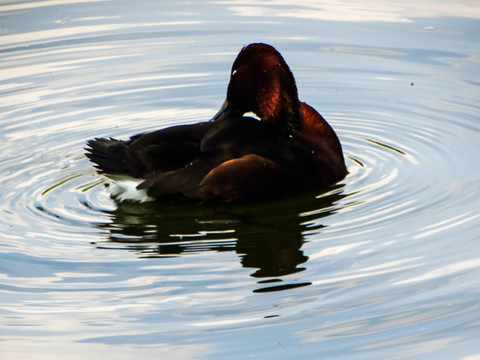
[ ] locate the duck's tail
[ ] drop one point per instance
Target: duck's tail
(111, 157)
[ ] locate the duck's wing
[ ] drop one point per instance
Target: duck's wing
(184, 181)
(223, 141)
(242, 179)
(242, 136)
(230, 134)
(239, 159)
(143, 154)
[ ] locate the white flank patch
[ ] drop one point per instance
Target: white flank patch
(126, 189)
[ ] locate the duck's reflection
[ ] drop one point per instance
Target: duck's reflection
(267, 237)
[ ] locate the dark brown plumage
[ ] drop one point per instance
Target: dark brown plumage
(233, 157)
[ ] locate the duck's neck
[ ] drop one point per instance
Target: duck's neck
(278, 103)
(293, 120)
(286, 114)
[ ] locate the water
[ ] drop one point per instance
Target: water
(385, 265)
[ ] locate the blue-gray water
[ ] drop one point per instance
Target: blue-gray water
(386, 265)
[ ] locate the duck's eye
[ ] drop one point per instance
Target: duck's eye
(234, 72)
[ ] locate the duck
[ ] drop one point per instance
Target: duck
(285, 148)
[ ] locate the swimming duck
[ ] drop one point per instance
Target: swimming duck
(289, 149)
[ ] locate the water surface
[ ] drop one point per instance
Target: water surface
(384, 265)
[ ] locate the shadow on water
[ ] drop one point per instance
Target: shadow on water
(267, 237)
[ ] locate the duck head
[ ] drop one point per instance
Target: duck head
(261, 82)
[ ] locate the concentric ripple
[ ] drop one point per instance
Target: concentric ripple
(381, 264)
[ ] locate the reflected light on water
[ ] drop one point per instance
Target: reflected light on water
(383, 265)
(446, 270)
(338, 10)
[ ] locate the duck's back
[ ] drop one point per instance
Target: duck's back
(198, 161)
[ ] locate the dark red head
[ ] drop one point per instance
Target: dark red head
(261, 82)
